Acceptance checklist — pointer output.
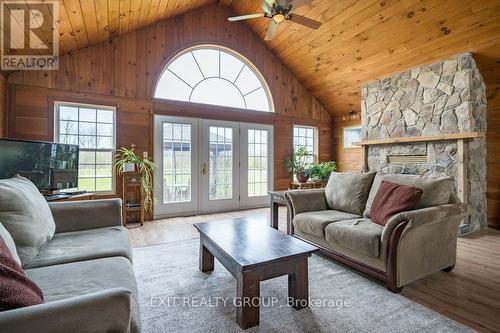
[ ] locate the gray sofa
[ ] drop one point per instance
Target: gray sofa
(410, 246)
(85, 273)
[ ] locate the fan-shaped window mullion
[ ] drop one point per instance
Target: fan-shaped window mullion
(234, 80)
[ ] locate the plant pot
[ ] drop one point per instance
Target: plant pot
(302, 177)
(128, 167)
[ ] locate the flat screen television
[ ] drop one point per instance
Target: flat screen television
(50, 166)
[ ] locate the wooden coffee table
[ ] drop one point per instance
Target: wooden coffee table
(253, 252)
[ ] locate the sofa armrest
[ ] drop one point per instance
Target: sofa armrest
(104, 311)
(425, 216)
(87, 214)
(301, 201)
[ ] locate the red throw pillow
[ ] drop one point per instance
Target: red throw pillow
(392, 198)
(16, 289)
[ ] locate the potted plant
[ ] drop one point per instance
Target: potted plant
(144, 166)
(297, 163)
(321, 171)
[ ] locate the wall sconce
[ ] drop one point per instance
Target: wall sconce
(351, 115)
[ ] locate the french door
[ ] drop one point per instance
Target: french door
(209, 165)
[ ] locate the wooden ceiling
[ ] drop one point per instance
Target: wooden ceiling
(359, 41)
(87, 22)
(362, 40)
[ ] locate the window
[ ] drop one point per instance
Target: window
(258, 158)
(307, 137)
(349, 135)
(214, 75)
(91, 127)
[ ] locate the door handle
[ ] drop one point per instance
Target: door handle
(204, 169)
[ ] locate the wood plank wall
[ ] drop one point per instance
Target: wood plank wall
(123, 71)
(3, 105)
(348, 159)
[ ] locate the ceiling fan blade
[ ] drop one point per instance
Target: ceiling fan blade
(246, 17)
(272, 30)
(305, 21)
(267, 7)
(297, 3)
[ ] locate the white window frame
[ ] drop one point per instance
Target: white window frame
(351, 146)
(58, 104)
(315, 152)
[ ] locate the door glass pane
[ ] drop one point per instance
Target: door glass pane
(258, 163)
(220, 167)
(176, 162)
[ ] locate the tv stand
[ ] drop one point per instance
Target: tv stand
(69, 196)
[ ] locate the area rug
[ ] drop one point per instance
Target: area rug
(176, 297)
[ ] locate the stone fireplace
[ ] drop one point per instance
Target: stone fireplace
(444, 100)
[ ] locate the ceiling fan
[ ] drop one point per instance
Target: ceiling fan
(279, 11)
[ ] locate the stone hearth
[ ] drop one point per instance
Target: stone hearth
(441, 98)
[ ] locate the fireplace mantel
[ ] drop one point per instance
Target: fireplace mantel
(410, 139)
(460, 156)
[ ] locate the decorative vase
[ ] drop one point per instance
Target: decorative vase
(302, 177)
(128, 167)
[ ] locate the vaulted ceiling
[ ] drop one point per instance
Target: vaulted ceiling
(359, 41)
(362, 40)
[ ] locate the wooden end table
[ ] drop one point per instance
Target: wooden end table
(238, 246)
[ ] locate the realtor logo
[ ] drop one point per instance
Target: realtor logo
(29, 36)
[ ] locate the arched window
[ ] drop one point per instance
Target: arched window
(214, 75)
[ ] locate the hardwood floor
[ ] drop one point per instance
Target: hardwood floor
(470, 294)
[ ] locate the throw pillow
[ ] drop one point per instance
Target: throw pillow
(7, 238)
(26, 216)
(348, 191)
(392, 199)
(16, 289)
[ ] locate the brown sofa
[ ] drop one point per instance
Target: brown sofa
(410, 246)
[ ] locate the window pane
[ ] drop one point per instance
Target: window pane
(104, 157)
(68, 113)
(86, 170)
(85, 141)
(104, 142)
(186, 68)
(220, 169)
(216, 91)
(171, 87)
(105, 129)
(230, 66)
(257, 163)
(87, 184)
(176, 163)
(247, 81)
(87, 115)
(87, 128)
(104, 184)
(105, 116)
(103, 170)
(87, 157)
(68, 139)
(68, 127)
(209, 62)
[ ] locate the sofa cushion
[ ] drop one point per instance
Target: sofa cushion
(348, 191)
(84, 245)
(26, 215)
(16, 289)
(437, 190)
(314, 223)
(360, 235)
(74, 279)
(7, 238)
(392, 199)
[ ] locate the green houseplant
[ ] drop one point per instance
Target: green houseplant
(297, 163)
(321, 171)
(144, 166)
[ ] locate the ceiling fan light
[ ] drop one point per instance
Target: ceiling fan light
(278, 18)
